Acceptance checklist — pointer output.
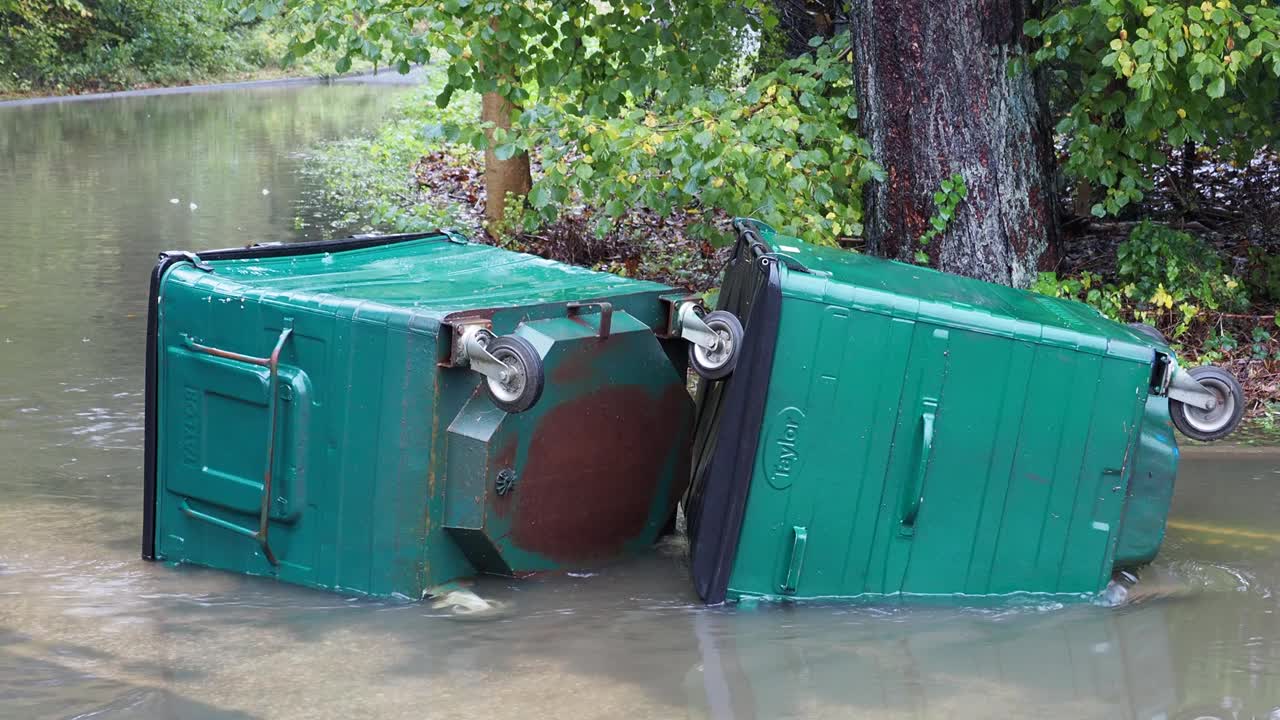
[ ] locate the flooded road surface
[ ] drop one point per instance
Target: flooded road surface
(89, 630)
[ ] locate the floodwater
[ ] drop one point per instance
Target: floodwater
(89, 630)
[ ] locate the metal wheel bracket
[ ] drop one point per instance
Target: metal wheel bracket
(689, 326)
(472, 352)
(1185, 389)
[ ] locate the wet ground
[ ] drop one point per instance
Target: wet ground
(90, 191)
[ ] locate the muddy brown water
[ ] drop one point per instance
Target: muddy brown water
(89, 630)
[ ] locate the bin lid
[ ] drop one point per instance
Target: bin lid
(432, 272)
(853, 279)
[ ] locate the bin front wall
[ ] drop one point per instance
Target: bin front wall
(349, 503)
(905, 456)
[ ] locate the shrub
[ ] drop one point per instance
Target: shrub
(1164, 277)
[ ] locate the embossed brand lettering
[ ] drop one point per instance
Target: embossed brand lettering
(787, 454)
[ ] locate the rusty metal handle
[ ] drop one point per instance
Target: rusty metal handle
(606, 314)
(272, 363)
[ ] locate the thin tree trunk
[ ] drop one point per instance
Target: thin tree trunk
(937, 97)
(501, 176)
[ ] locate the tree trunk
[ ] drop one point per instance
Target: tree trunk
(937, 97)
(501, 176)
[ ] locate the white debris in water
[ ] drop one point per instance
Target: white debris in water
(193, 206)
(581, 574)
(463, 602)
(266, 191)
(173, 201)
(84, 340)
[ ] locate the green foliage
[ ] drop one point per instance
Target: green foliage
(1090, 288)
(52, 44)
(589, 56)
(625, 101)
(783, 149)
(1164, 277)
(1139, 73)
(1260, 345)
(945, 200)
(1264, 275)
(371, 179)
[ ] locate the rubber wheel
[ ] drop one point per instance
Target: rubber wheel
(1215, 424)
(719, 363)
(1145, 329)
(520, 391)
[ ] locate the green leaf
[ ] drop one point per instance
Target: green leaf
(539, 196)
(343, 64)
(1218, 88)
(505, 151)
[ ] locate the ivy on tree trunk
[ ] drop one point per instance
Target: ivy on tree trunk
(943, 88)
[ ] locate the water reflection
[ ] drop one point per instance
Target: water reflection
(86, 629)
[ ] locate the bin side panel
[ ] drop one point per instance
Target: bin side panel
(974, 499)
(1150, 488)
(1104, 477)
(1016, 488)
(825, 453)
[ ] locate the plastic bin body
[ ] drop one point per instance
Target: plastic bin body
(392, 472)
(1150, 492)
(901, 431)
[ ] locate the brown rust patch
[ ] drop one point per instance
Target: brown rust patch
(594, 471)
(581, 364)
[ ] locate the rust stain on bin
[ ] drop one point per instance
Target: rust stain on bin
(580, 364)
(592, 471)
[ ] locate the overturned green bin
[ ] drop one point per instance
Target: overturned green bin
(890, 430)
(380, 415)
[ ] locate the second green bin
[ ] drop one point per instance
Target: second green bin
(890, 429)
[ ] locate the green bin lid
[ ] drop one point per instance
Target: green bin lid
(851, 279)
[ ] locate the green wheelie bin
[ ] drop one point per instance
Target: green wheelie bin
(890, 430)
(380, 415)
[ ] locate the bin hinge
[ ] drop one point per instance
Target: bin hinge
(195, 260)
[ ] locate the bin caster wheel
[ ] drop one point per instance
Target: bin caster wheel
(1215, 424)
(718, 362)
(523, 385)
(1149, 331)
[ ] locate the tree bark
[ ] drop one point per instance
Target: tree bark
(937, 97)
(501, 176)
